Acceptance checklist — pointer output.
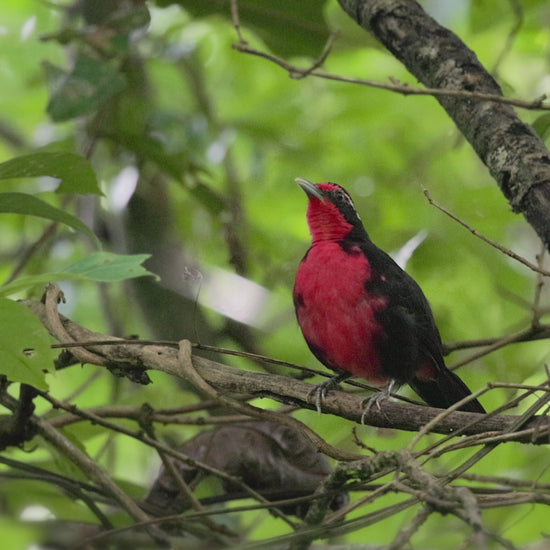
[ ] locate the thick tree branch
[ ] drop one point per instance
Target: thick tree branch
(288, 390)
(516, 157)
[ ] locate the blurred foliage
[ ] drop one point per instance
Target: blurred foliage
(195, 147)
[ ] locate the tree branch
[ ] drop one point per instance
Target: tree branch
(96, 474)
(516, 157)
(291, 391)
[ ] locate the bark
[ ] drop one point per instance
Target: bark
(229, 381)
(515, 156)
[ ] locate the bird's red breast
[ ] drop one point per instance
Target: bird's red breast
(336, 315)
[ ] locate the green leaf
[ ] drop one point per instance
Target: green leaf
(108, 267)
(487, 14)
(30, 281)
(288, 27)
(25, 351)
(81, 91)
(122, 16)
(542, 126)
(98, 266)
(22, 203)
(75, 172)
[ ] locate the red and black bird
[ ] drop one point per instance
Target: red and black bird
(360, 313)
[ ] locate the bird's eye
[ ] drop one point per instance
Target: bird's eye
(341, 196)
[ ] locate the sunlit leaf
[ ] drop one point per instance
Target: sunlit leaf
(108, 267)
(99, 266)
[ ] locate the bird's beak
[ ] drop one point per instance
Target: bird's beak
(310, 189)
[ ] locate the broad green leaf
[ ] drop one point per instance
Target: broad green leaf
(74, 171)
(288, 27)
(30, 281)
(542, 126)
(25, 351)
(108, 267)
(23, 203)
(99, 266)
(26, 493)
(84, 89)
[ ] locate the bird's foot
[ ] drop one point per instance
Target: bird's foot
(375, 399)
(318, 394)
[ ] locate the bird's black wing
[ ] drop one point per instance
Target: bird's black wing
(407, 319)
(412, 350)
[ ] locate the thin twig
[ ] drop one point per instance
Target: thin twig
(96, 474)
(535, 308)
(190, 373)
(322, 58)
(135, 412)
(515, 426)
(153, 443)
(517, 8)
(404, 89)
(438, 448)
(428, 427)
(219, 532)
(31, 251)
(404, 535)
(236, 21)
(77, 489)
(489, 241)
(503, 342)
(542, 332)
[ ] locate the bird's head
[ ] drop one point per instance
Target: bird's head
(331, 214)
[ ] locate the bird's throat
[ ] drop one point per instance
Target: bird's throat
(326, 222)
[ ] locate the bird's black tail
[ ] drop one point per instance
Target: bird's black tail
(445, 390)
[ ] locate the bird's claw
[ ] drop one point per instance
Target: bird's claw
(320, 391)
(375, 399)
(371, 400)
(318, 394)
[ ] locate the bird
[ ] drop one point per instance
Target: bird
(361, 314)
